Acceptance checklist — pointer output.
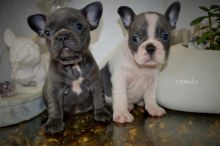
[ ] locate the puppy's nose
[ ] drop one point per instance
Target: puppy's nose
(62, 37)
(150, 49)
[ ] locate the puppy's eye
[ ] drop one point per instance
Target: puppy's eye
(47, 33)
(79, 26)
(135, 38)
(165, 36)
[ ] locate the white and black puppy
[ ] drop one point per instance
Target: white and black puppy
(131, 75)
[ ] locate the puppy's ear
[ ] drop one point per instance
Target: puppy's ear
(37, 23)
(172, 13)
(127, 15)
(93, 13)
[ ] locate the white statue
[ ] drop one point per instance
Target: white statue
(28, 66)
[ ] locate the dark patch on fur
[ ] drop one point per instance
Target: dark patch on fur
(106, 77)
(163, 26)
(139, 28)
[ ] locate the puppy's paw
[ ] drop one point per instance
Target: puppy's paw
(122, 117)
(155, 110)
(102, 115)
(54, 125)
(130, 107)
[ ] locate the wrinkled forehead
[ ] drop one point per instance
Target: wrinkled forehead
(64, 15)
(150, 22)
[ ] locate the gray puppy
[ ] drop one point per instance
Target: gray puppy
(73, 82)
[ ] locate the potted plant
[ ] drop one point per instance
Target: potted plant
(210, 32)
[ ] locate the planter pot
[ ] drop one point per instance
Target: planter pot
(191, 80)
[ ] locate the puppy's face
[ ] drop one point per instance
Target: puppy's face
(67, 31)
(149, 34)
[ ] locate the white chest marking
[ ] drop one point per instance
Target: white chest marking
(76, 84)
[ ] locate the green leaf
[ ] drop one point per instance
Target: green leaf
(204, 8)
(205, 36)
(215, 46)
(217, 34)
(210, 13)
(198, 20)
(214, 7)
(216, 10)
(204, 27)
(214, 29)
(214, 14)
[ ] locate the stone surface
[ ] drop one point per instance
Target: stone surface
(176, 129)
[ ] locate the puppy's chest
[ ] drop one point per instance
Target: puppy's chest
(138, 83)
(79, 83)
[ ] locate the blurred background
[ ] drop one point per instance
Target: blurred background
(13, 14)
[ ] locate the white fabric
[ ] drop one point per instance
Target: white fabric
(191, 80)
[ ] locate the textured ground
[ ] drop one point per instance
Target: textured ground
(175, 129)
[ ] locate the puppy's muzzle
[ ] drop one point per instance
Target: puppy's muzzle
(69, 50)
(66, 39)
(151, 49)
(69, 57)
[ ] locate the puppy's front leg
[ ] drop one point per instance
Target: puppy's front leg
(119, 95)
(101, 112)
(150, 100)
(53, 97)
